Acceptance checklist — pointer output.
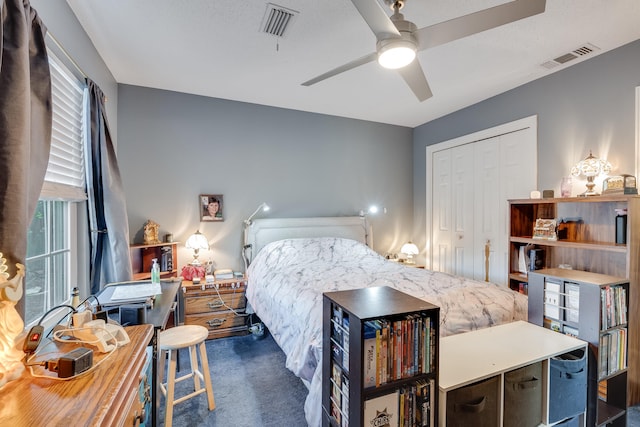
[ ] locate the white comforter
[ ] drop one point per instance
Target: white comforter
(287, 279)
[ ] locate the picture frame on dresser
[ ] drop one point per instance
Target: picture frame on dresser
(210, 207)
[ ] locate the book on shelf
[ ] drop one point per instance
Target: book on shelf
(614, 306)
(369, 352)
(552, 299)
(397, 349)
(345, 396)
(382, 410)
(572, 302)
(612, 352)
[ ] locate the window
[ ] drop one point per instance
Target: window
(53, 236)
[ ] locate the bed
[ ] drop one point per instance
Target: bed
(293, 261)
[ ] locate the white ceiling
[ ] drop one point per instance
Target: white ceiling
(216, 48)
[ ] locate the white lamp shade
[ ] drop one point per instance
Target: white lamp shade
(197, 241)
(410, 249)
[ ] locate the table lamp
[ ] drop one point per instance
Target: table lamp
(196, 242)
(410, 249)
(591, 167)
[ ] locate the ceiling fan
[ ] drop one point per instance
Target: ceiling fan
(398, 40)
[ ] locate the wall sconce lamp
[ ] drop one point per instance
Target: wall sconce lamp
(591, 167)
(263, 207)
(196, 242)
(373, 210)
(410, 249)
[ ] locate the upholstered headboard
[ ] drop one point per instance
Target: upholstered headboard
(264, 231)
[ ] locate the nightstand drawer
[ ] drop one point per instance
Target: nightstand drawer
(214, 302)
(217, 321)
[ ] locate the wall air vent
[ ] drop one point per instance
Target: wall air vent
(277, 20)
(570, 56)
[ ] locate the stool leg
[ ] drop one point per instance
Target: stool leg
(162, 366)
(168, 417)
(207, 376)
(194, 367)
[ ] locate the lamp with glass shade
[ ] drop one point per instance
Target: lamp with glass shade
(196, 242)
(410, 249)
(591, 167)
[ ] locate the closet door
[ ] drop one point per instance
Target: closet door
(469, 185)
(486, 223)
(453, 211)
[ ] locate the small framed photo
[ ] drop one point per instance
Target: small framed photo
(210, 207)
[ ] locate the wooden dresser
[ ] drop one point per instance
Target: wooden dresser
(116, 393)
(218, 306)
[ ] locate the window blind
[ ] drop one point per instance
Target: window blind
(65, 176)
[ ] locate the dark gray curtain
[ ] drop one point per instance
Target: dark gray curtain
(25, 125)
(109, 227)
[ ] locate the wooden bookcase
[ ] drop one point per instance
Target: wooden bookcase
(592, 307)
(142, 256)
(380, 354)
(589, 246)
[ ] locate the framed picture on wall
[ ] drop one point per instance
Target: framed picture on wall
(210, 207)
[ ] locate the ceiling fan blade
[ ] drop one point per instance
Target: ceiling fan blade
(375, 16)
(341, 69)
(414, 76)
(473, 23)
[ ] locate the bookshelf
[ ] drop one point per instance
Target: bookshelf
(587, 241)
(142, 256)
(380, 359)
(592, 307)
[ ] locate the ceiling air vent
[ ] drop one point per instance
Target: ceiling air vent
(277, 20)
(576, 53)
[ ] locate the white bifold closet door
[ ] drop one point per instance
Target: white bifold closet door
(469, 184)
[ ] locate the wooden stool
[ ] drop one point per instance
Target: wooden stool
(170, 341)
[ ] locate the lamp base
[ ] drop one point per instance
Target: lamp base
(590, 188)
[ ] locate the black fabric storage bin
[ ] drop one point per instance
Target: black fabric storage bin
(567, 385)
(474, 405)
(523, 396)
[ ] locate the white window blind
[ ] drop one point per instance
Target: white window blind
(65, 177)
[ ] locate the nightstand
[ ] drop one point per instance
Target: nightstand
(412, 265)
(219, 306)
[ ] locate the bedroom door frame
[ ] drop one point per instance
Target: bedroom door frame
(530, 122)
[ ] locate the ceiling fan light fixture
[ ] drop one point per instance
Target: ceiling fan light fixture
(398, 53)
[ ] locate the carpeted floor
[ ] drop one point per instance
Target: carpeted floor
(251, 385)
(253, 388)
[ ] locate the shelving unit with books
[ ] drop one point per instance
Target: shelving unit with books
(595, 308)
(588, 243)
(380, 359)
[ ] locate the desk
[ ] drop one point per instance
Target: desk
(107, 396)
(157, 316)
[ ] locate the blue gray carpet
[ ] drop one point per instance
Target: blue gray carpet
(251, 386)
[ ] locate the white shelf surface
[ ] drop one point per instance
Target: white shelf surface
(473, 356)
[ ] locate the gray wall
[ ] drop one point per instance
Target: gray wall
(588, 106)
(174, 146)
